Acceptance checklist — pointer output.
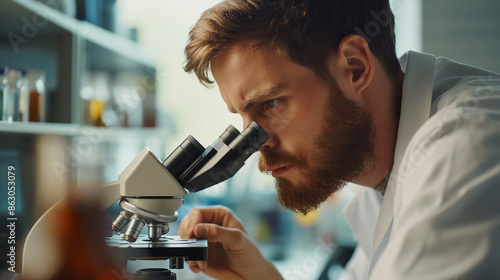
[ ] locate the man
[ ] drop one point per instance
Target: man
(420, 133)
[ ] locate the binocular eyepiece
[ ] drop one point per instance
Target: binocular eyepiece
(197, 168)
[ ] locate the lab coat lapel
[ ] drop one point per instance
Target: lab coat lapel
(415, 110)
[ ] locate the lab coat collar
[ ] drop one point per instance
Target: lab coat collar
(415, 110)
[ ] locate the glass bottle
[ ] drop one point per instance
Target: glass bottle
(11, 96)
(3, 81)
(128, 96)
(37, 96)
(94, 94)
(24, 97)
(101, 97)
(86, 94)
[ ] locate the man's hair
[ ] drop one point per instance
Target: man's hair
(305, 32)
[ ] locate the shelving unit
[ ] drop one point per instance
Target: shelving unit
(35, 36)
(71, 130)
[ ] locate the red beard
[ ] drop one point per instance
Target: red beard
(340, 154)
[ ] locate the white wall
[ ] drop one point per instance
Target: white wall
(163, 27)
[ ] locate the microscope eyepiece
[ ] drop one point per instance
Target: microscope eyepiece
(250, 139)
(183, 156)
(222, 160)
(229, 134)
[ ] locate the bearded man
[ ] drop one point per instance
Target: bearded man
(421, 133)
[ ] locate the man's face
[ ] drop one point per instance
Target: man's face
(318, 139)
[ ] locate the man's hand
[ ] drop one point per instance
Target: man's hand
(231, 253)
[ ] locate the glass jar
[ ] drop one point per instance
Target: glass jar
(37, 96)
(101, 97)
(24, 98)
(3, 81)
(95, 95)
(11, 96)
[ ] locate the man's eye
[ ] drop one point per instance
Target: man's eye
(270, 104)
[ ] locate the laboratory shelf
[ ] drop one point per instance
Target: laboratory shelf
(71, 130)
(38, 128)
(29, 16)
(34, 35)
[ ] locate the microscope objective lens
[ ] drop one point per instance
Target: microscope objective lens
(134, 229)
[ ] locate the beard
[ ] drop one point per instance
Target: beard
(340, 154)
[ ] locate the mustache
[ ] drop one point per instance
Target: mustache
(273, 158)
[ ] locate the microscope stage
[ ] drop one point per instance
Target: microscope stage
(165, 247)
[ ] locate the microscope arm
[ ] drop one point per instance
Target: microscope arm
(109, 194)
(41, 243)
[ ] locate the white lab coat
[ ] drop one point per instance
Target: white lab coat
(440, 215)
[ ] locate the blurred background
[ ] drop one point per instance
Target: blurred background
(85, 84)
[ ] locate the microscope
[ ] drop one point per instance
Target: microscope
(150, 192)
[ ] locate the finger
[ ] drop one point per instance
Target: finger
(193, 266)
(197, 266)
(197, 216)
(233, 238)
(202, 264)
(211, 214)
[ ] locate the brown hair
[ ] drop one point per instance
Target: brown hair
(305, 32)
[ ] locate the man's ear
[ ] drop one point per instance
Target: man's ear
(353, 66)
